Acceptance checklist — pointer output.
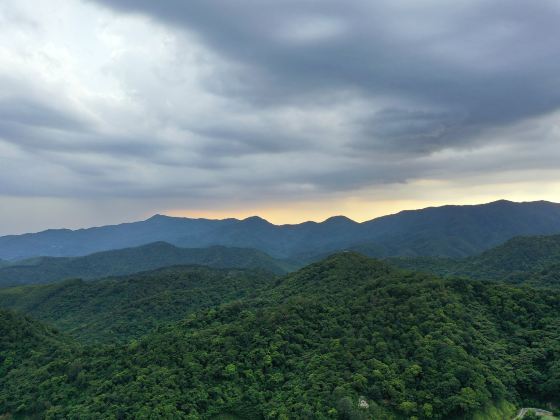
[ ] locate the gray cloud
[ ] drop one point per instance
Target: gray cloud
(25, 112)
(409, 131)
(207, 103)
(495, 62)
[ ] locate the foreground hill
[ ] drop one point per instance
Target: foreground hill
(452, 231)
(531, 260)
(134, 260)
(28, 344)
(121, 308)
(348, 337)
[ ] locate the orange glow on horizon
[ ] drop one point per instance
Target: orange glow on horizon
(366, 208)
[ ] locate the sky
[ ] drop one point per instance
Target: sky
(293, 110)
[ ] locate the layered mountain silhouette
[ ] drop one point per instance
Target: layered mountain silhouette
(452, 231)
(531, 260)
(133, 260)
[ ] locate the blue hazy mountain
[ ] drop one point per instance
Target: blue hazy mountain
(451, 231)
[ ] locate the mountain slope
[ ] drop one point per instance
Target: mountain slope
(133, 260)
(528, 259)
(21, 336)
(334, 334)
(30, 346)
(121, 308)
(453, 231)
(456, 231)
(65, 242)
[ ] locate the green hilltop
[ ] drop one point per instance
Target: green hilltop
(531, 260)
(133, 260)
(121, 308)
(347, 337)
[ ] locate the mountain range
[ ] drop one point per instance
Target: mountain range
(451, 231)
(133, 260)
(460, 320)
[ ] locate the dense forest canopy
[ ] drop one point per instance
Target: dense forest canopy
(533, 260)
(122, 308)
(348, 337)
(134, 260)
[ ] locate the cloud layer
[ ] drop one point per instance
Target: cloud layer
(204, 105)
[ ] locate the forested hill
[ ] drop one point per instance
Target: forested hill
(453, 231)
(133, 260)
(336, 333)
(531, 260)
(121, 308)
(24, 344)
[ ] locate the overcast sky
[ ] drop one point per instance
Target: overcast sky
(113, 110)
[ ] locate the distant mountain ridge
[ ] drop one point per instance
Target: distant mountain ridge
(531, 260)
(452, 231)
(134, 260)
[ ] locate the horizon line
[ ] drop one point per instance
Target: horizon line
(280, 224)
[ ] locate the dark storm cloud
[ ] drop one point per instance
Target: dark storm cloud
(215, 102)
(234, 141)
(410, 131)
(492, 63)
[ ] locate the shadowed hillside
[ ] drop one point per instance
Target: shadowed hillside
(134, 260)
(531, 260)
(121, 308)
